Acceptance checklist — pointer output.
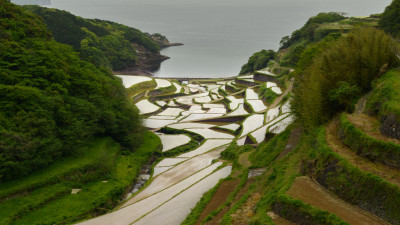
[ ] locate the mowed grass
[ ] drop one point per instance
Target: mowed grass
(53, 204)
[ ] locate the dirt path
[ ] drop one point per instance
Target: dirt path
(371, 126)
(311, 193)
(220, 196)
(391, 175)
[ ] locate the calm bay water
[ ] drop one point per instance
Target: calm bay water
(218, 35)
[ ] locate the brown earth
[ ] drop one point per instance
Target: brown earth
(312, 193)
(220, 196)
(216, 220)
(244, 159)
(370, 125)
(245, 212)
(390, 175)
(279, 220)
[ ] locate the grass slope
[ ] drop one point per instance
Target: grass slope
(103, 173)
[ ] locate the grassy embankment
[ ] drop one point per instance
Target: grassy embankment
(102, 172)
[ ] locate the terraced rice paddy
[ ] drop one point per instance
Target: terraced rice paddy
(156, 123)
(239, 111)
(271, 84)
(171, 112)
(178, 87)
(205, 99)
(178, 182)
(271, 114)
(209, 106)
(129, 81)
(176, 174)
(260, 133)
(172, 141)
(201, 116)
(146, 107)
(161, 83)
(251, 94)
(185, 201)
(286, 107)
(207, 146)
(277, 90)
(281, 125)
(211, 134)
(266, 72)
(252, 123)
(257, 105)
(190, 125)
(232, 127)
(216, 110)
(234, 102)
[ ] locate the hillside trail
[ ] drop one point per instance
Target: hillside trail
(310, 192)
(371, 126)
(332, 134)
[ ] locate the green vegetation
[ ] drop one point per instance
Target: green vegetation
(163, 91)
(52, 102)
(266, 94)
(310, 32)
(385, 97)
(267, 152)
(339, 75)
(257, 61)
(201, 204)
(103, 43)
(102, 171)
(141, 87)
(389, 20)
(387, 153)
(291, 209)
(357, 187)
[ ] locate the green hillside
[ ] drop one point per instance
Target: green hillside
(52, 102)
(103, 43)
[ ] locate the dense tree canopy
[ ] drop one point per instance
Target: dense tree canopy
(257, 61)
(390, 19)
(103, 43)
(340, 72)
(309, 31)
(51, 101)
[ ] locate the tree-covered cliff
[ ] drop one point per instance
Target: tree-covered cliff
(52, 101)
(103, 43)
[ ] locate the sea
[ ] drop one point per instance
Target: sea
(218, 35)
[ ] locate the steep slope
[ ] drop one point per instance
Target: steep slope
(52, 101)
(104, 43)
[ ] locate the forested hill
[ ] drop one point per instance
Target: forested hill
(52, 101)
(103, 43)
